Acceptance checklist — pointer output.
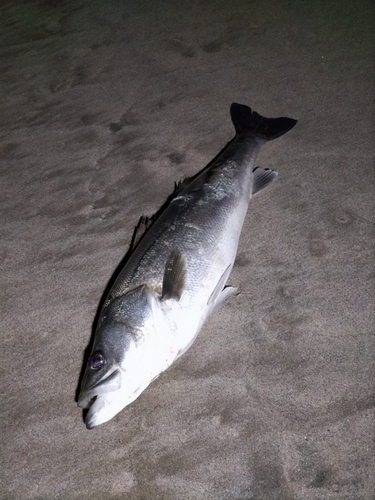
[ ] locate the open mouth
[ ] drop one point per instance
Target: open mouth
(110, 383)
(86, 401)
(96, 405)
(103, 401)
(90, 403)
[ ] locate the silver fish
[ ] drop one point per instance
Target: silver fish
(176, 276)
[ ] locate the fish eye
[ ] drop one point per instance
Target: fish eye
(96, 361)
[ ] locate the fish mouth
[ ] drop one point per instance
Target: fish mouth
(96, 406)
(105, 406)
(109, 383)
(106, 399)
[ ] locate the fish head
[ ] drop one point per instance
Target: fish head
(103, 380)
(122, 362)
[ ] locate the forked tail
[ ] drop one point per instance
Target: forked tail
(248, 122)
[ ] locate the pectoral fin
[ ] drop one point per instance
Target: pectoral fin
(220, 293)
(174, 276)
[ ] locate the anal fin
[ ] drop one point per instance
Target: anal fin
(262, 179)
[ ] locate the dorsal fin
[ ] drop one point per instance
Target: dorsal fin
(140, 229)
(174, 276)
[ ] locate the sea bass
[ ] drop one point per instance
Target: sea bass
(176, 276)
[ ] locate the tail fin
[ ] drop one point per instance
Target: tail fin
(248, 122)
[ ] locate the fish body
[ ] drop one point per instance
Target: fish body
(176, 276)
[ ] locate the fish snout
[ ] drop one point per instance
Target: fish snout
(109, 383)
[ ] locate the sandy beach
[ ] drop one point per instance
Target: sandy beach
(104, 106)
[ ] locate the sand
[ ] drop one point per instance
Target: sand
(104, 105)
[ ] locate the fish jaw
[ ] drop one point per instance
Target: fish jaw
(109, 396)
(109, 383)
(102, 410)
(103, 403)
(107, 405)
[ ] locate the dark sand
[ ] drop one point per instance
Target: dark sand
(104, 106)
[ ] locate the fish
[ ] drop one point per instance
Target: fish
(176, 276)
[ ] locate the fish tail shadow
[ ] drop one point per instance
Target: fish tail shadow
(248, 122)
